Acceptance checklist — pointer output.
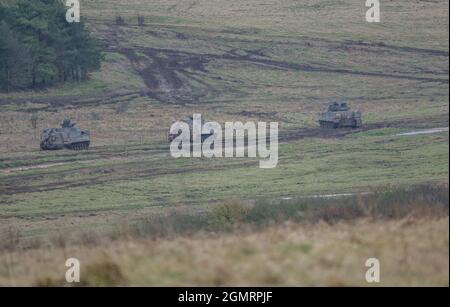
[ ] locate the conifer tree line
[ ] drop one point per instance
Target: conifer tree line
(39, 48)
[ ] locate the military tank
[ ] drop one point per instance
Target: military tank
(66, 137)
(190, 122)
(339, 115)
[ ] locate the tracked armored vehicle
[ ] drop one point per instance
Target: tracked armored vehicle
(190, 122)
(339, 115)
(66, 137)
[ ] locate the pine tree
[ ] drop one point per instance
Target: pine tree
(38, 47)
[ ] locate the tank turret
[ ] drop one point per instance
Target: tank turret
(190, 122)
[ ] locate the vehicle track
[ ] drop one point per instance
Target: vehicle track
(171, 75)
(17, 183)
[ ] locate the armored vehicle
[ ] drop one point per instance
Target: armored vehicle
(190, 121)
(339, 115)
(66, 137)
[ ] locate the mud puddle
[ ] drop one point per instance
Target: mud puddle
(423, 132)
(326, 196)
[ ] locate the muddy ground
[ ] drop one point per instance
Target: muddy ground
(173, 76)
(134, 158)
(183, 76)
(178, 76)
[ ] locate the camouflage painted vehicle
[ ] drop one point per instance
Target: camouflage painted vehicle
(66, 137)
(339, 115)
(189, 121)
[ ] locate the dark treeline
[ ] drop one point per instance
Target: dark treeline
(38, 47)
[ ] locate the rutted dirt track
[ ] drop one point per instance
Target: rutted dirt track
(179, 77)
(101, 174)
(336, 133)
(170, 75)
(111, 153)
(19, 184)
(54, 103)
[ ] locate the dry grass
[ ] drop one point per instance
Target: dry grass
(412, 252)
(394, 203)
(300, 243)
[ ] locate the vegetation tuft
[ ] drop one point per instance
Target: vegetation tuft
(421, 201)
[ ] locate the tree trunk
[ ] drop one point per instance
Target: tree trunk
(8, 77)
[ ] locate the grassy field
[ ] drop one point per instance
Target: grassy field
(249, 60)
(303, 242)
(284, 255)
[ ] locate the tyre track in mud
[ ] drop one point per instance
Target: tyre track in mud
(311, 42)
(134, 168)
(170, 77)
(18, 185)
(170, 74)
(305, 67)
(98, 154)
(173, 76)
(298, 134)
(55, 103)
